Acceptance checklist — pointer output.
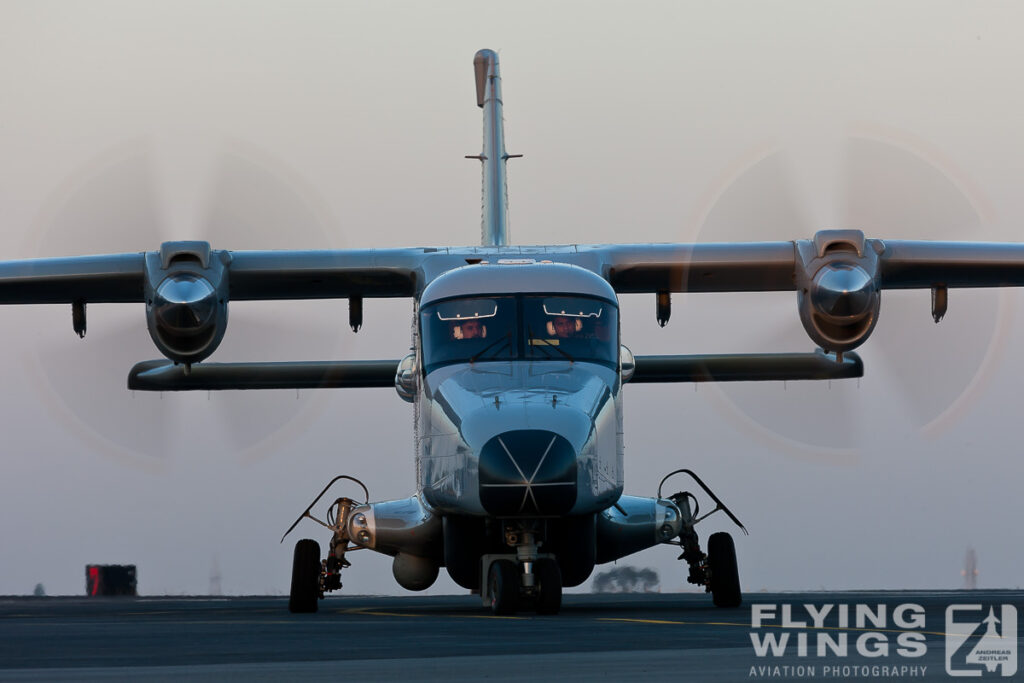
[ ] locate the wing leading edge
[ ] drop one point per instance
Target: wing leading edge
(113, 278)
(629, 268)
(838, 276)
(252, 275)
(776, 266)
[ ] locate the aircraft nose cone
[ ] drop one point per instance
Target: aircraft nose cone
(528, 472)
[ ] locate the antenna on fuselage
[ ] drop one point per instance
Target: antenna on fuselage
(494, 220)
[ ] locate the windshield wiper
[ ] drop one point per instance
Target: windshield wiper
(544, 345)
(506, 338)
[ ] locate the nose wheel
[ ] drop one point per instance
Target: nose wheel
(509, 587)
(503, 586)
(549, 586)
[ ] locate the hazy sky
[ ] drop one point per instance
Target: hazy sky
(330, 124)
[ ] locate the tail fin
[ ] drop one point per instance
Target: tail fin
(494, 223)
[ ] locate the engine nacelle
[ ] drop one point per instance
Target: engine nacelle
(837, 288)
(187, 300)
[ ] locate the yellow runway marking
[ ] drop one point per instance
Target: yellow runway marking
(372, 612)
(747, 625)
(642, 621)
(205, 622)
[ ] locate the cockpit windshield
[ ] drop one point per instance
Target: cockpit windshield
(524, 327)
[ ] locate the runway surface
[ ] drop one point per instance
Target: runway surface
(414, 638)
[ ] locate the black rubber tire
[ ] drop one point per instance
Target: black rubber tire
(725, 576)
(503, 585)
(549, 586)
(305, 592)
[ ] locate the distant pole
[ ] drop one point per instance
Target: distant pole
(970, 570)
(215, 588)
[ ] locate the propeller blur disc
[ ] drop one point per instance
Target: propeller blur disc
(891, 187)
(135, 196)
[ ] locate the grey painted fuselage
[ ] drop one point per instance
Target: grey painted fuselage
(463, 407)
(570, 408)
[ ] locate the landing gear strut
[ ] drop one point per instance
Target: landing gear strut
(528, 577)
(716, 570)
(311, 576)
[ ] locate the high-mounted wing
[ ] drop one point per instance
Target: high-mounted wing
(123, 278)
(264, 275)
(776, 266)
(186, 286)
(838, 275)
(923, 265)
(750, 267)
(113, 278)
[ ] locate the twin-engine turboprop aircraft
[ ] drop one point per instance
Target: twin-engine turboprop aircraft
(515, 376)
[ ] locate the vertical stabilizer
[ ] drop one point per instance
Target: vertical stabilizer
(494, 223)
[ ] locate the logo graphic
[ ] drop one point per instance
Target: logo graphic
(980, 643)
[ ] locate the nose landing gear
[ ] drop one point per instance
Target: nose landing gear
(717, 570)
(527, 578)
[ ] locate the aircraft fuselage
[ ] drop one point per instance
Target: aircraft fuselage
(519, 421)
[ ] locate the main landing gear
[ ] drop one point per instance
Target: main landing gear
(526, 579)
(311, 576)
(306, 587)
(716, 570)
